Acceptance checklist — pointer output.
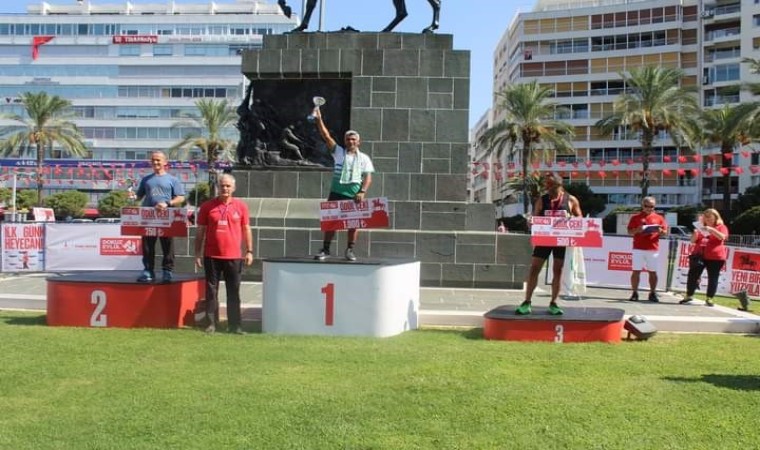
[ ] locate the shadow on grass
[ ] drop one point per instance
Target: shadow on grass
(736, 382)
(23, 320)
(469, 333)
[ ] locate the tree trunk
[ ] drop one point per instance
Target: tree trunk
(727, 149)
(40, 158)
(212, 175)
(646, 151)
(526, 193)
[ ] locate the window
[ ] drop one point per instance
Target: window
(162, 50)
(129, 50)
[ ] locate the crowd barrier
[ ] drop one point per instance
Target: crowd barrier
(56, 247)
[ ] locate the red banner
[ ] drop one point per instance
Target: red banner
(566, 232)
(135, 39)
(147, 221)
(345, 214)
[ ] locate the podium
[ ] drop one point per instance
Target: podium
(114, 299)
(376, 298)
(576, 325)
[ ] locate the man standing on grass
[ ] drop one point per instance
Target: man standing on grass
(223, 226)
(646, 228)
(352, 176)
(555, 203)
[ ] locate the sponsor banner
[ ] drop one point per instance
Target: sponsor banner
(610, 266)
(43, 214)
(23, 247)
(148, 221)
(566, 232)
(740, 273)
(135, 39)
(344, 214)
(91, 247)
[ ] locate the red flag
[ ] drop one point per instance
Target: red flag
(724, 170)
(667, 172)
(754, 169)
(681, 172)
(738, 170)
(666, 158)
(38, 41)
(694, 172)
(681, 159)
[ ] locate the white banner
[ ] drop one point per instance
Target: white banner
(610, 265)
(23, 247)
(91, 246)
(741, 272)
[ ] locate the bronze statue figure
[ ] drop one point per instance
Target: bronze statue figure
(400, 6)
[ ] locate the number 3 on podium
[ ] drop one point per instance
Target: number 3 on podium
(329, 291)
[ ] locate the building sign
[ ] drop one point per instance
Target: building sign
(148, 221)
(345, 214)
(135, 39)
(566, 232)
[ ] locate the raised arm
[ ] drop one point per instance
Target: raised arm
(323, 130)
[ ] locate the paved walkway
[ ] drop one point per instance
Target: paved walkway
(465, 307)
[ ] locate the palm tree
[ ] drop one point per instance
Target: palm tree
(45, 125)
(530, 122)
(215, 117)
(653, 102)
(727, 127)
(754, 67)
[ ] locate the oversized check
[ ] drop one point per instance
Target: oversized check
(344, 214)
(566, 232)
(148, 221)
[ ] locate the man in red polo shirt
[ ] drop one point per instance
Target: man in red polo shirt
(223, 227)
(646, 228)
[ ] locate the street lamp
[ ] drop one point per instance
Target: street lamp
(14, 217)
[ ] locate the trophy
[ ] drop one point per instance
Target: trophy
(318, 101)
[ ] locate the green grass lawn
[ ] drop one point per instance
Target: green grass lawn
(76, 388)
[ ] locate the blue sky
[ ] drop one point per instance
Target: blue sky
(476, 25)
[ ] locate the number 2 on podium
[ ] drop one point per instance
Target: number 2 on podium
(329, 291)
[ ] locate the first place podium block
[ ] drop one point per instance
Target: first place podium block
(376, 298)
(576, 325)
(115, 299)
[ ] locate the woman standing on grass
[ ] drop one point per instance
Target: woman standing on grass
(708, 241)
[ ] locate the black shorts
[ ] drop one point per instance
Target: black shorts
(544, 252)
(335, 197)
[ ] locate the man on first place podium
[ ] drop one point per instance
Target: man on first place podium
(352, 176)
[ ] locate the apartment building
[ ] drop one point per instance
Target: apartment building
(132, 71)
(579, 49)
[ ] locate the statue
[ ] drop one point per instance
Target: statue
(266, 140)
(401, 14)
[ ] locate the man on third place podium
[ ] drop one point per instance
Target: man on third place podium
(159, 190)
(555, 203)
(352, 176)
(223, 225)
